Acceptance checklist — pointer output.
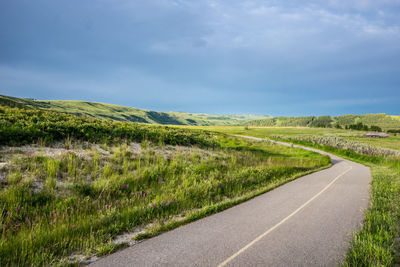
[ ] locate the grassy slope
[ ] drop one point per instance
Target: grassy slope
(382, 120)
(78, 200)
(377, 243)
(122, 113)
(396, 117)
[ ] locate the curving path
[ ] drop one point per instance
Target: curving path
(307, 222)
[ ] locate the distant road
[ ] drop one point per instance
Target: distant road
(307, 222)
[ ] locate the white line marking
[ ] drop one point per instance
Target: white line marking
(281, 222)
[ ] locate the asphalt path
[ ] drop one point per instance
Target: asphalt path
(307, 222)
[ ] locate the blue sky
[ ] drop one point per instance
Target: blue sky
(224, 57)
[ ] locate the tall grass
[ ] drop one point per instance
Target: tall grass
(375, 244)
(24, 126)
(76, 203)
(341, 143)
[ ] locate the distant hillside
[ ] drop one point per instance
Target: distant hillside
(122, 113)
(382, 120)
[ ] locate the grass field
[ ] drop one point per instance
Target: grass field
(80, 183)
(70, 186)
(393, 142)
(269, 131)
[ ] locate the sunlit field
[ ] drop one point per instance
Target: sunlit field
(71, 186)
(268, 131)
(393, 142)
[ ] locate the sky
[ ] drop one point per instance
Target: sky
(286, 58)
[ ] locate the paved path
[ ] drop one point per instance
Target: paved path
(307, 222)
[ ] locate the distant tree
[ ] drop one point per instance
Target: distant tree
(359, 127)
(376, 128)
(322, 121)
(338, 126)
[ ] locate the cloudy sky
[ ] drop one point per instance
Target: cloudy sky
(211, 56)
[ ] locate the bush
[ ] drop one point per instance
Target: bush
(25, 126)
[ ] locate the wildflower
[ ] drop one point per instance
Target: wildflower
(27, 221)
(124, 186)
(18, 209)
(140, 193)
(170, 202)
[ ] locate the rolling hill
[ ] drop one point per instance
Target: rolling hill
(382, 120)
(122, 113)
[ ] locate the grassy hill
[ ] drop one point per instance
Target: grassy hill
(382, 120)
(122, 113)
(76, 185)
(129, 114)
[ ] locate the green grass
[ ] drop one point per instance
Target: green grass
(86, 201)
(128, 114)
(20, 126)
(270, 131)
(393, 142)
(158, 228)
(396, 117)
(76, 201)
(375, 244)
